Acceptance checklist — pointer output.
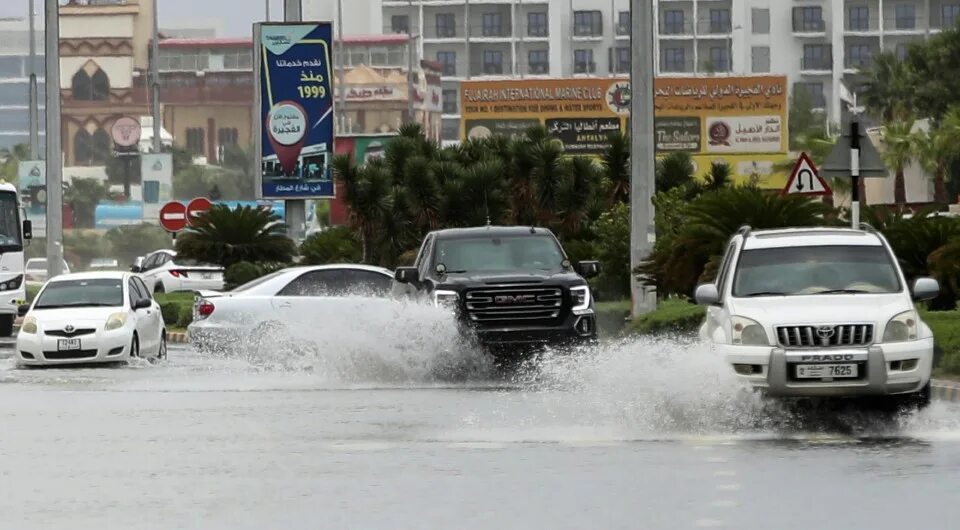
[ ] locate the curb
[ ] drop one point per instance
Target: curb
(178, 338)
(945, 390)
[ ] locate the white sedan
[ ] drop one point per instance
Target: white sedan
(164, 273)
(91, 317)
(299, 295)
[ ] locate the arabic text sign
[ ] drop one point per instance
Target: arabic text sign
(747, 134)
(677, 133)
(582, 136)
(294, 90)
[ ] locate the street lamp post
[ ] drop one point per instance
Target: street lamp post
(54, 152)
(34, 96)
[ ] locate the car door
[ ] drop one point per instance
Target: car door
(718, 314)
(148, 269)
(142, 318)
(154, 316)
(307, 292)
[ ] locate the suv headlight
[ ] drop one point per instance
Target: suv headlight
(747, 332)
(116, 321)
(29, 325)
(580, 296)
(448, 299)
(901, 328)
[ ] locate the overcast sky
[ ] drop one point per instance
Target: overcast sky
(233, 18)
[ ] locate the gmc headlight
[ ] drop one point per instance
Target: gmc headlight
(748, 332)
(580, 296)
(10, 285)
(116, 321)
(447, 299)
(29, 325)
(901, 328)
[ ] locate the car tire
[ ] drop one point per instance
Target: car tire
(162, 350)
(135, 347)
(159, 288)
(6, 325)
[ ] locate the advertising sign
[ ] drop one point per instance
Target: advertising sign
(32, 181)
(740, 121)
(295, 109)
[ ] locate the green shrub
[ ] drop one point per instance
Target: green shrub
(946, 335)
(335, 245)
(171, 312)
(186, 316)
(241, 273)
(672, 316)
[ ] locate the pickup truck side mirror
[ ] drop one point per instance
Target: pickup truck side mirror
(407, 274)
(23, 309)
(588, 269)
(27, 229)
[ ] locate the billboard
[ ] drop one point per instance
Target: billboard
(294, 109)
(741, 121)
(32, 181)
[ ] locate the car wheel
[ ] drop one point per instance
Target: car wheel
(6, 325)
(162, 351)
(158, 288)
(135, 347)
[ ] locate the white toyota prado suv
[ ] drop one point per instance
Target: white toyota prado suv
(806, 312)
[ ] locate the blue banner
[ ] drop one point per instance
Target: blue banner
(296, 109)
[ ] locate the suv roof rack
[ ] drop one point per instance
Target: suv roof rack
(867, 227)
(744, 230)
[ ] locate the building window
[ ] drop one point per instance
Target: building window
(239, 59)
(450, 101)
(92, 149)
(808, 18)
(400, 24)
(906, 16)
(492, 62)
(719, 59)
(720, 21)
(537, 25)
(492, 25)
(448, 60)
(817, 57)
(858, 18)
(90, 88)
(538, 62)
(446, 25)
(951, 13)
(623, 23)
(583, 62)
(450, 129)
(902, 50)
(760, 21)
(620, 60)
(587, 24)
(397, 55)
(814, 91)
(195, 141)
(760, 59)
(378, 56)
(858, 55)
(673, 22)
(228, 136)
(673, 60)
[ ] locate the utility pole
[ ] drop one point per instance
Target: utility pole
(54, 152)
(855, 172)
(342, 71)
(34, 96)
(155, 77)
(266, 4)
(642, 154)
(411, 85)
(295, 210)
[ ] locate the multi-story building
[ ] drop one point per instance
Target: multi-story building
(15, 84)
(819, 44)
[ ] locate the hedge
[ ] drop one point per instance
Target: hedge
(177, 308)
(672, 316)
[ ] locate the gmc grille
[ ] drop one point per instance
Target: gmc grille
(514, 303)
(825, 336)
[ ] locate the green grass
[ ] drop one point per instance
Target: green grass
(946, 336)
(178, 297)
(177, 309)
(671, 316)
(32, 290)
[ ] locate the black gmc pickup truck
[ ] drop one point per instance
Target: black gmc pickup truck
(513, 287)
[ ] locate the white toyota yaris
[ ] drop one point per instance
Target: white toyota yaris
(91, 318)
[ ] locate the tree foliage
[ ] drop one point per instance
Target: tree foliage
(335, 245)
(132, 241)
(83, 195)
(224, 237)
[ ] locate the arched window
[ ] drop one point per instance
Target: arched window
(83, 148)
(81, 86)
(88, 87)
(102, 147)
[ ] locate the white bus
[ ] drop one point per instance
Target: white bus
(14, 230)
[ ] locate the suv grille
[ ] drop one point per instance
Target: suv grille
(514, 303)
(825, 336)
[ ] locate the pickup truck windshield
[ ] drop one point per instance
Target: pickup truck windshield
(499, 254)
(815, 270)
(81, 293)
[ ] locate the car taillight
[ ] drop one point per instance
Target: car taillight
(178, 274)
(205, 309)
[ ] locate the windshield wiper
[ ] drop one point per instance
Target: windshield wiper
(842, 291)
(764, 293)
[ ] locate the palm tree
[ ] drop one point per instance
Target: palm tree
(924, 245)
(673, 171)
(887, 92)
(937, 147)
(616, 166)
(898, 152)
(224, 236)
(367, 192)
(720, 176)
(84, 194)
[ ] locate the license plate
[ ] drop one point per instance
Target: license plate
(68, 344)
(827, 371)
(207, 276)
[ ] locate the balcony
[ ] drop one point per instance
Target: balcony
(903, 25)
(815, 27)
(816, 65)
(675, 30)
(862, 25)
(585, 67)
(719, 29)
(676, 67)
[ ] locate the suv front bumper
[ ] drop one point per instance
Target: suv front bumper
(774, 369)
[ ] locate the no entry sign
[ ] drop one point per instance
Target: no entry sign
(173, 216)
(196, 208)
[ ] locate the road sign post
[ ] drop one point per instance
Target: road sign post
(855, 156)
(173, 217)
(805, 179)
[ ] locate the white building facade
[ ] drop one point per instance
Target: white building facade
(819, 44)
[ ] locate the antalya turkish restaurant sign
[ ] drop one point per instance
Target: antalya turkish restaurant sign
(716, 115)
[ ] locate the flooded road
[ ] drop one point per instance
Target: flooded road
(636, 435)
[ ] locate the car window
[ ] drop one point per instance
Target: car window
(725, 268)
(338, 282)
(151, 262)
(421, 256)
(133, 293)
(142, 288)
(81, 293)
